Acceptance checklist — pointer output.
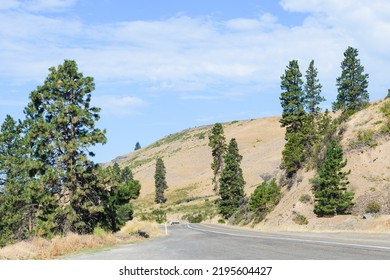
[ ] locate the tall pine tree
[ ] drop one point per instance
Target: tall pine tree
(352, 84)
(232, 182)
(61, 129)
(217, 143)
(294, 118)
(160, 181)
(313, 90)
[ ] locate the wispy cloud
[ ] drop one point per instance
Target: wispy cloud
(184, 54)
(118, 105)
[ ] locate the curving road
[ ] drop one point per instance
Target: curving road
(217, 242)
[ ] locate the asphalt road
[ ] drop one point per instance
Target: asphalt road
(216, 242)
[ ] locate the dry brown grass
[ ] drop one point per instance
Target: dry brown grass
(42, 249)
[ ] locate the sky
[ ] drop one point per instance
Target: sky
(161, 66)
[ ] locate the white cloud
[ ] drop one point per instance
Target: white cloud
(118, 105)
(48, 5)
(183, 54)
(9, 4)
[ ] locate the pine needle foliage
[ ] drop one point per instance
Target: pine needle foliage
(351, 85)
(330, 186)
(217, 142)
(160, 181)
(232, 182)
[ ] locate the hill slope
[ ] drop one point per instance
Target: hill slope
(187, 159)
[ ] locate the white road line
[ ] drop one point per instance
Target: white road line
(294, 239)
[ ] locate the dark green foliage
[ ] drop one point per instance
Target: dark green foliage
(331, 195)
(60, 129)
(292, 98)
(120, 190)
(313, 90)
(294, 153)
(351, 85)
(294, 119)
(160, 181)
(137, 146)
(265, 196)
(217, 143)
(231, 182)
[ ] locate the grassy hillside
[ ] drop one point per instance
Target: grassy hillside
(187, 159)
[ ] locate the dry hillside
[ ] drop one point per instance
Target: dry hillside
(187, 159)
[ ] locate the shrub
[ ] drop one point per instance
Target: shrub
(373, 207)
(265, 196)
(221, 221)
(159, 215)
(300, 220)
(193, 218)
(305, 198)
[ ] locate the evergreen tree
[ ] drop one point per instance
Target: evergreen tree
(217, 143)
(352, 84)
(121, 189)
(294, 119)
(232, 183)
(15, 208)
(60, 130)
(137, 146)
(160, 181)
(312, 99)
(329, 186)
(292, 98)
(313, 90)
(265, 197)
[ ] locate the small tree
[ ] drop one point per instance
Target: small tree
(352, 84)
(137, 146)
(232, 183)
(160, 181)
(329, 186)
(217, 143)
(265, 197)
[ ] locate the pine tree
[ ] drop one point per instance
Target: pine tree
(352, 84)
(137, 146)
(217, 143)
(160, 181)
(60, 130)
(265, 196)
(313, 90)
(329, 186)
(14, 200)
(232, 183)
(292, 98)
(121, 189)
(294, 119)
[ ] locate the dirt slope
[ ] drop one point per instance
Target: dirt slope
(187, 159)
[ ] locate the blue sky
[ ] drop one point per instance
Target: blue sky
(166, 65)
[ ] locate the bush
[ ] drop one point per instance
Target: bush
(300, 220)
(305, 198)
(159, 215)
(221, 221)
(265, 196)
(193, 218)
(373, 207)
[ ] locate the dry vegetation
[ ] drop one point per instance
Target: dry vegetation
(187, 158)
(39, 248)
